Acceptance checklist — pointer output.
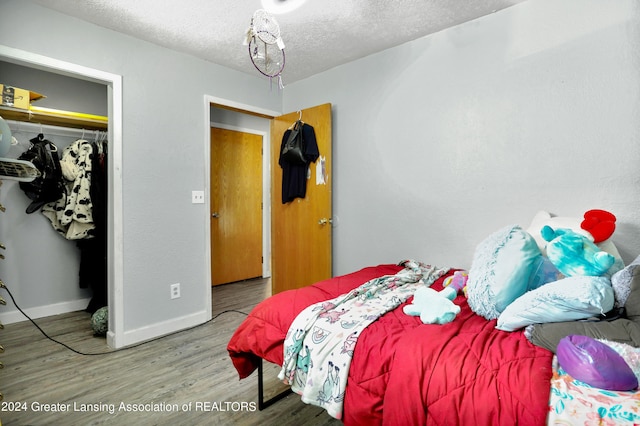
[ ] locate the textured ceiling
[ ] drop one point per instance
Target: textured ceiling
(319, 35)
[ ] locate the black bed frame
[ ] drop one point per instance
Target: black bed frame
(262, 404)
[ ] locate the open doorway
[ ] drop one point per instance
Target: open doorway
(305, 223)
(250, 130)
(236, 204)
(113, 85)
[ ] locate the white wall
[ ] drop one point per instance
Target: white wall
(441, 141)
(163, 154)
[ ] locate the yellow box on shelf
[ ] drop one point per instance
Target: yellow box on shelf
(16, 97)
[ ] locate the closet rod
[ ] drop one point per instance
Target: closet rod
(19, 127)
(55, 117)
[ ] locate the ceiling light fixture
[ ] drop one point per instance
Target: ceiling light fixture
(278, 7)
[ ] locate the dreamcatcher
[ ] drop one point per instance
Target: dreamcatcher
(266, 48)
(20, 170)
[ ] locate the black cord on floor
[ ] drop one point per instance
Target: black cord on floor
(4, 286)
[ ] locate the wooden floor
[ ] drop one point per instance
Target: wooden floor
(190, 371)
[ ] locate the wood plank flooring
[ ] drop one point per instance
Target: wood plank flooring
(188, 375)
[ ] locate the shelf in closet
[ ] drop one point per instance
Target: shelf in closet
(55, 117)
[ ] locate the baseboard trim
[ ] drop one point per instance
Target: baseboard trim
(160, 329)
(44, 311)
(130, 337)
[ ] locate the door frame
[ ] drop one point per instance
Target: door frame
(266, 192)
(210, 101)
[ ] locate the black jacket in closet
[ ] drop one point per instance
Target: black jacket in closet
(93, 251)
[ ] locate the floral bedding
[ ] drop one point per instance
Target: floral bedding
(573, 402)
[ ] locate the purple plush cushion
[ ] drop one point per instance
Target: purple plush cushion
(595, 363)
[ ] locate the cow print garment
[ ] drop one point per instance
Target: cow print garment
(72, 214)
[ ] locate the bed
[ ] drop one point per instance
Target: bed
(407, 372)
(493, 364)
(463, 372)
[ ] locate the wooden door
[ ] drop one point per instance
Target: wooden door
(301, 229)
(236, 206)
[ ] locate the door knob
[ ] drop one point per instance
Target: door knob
(215, 215)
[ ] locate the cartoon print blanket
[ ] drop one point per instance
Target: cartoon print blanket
(321, 340)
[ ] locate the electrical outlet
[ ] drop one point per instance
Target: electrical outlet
(197, 197)
(175, 290)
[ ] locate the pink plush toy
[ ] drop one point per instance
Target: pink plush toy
(457, 281)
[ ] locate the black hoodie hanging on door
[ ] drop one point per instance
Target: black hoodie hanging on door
(294, 173)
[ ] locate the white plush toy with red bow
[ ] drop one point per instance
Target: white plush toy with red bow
(596, 225)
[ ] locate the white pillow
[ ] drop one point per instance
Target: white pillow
(567, 299)
(621, 282)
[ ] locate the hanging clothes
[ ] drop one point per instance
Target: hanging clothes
(72, 214)
(80, 214)
(294, 176)
(93, 251)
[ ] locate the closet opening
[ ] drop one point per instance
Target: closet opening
(53, 266)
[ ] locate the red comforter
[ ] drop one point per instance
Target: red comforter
(404, 372)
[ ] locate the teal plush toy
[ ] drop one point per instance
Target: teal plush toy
(433, 307)
(574, 254)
